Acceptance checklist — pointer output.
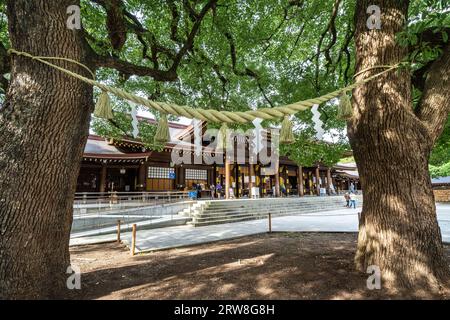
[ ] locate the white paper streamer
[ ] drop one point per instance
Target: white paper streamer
(135, 121)
(317, 122)
(257, 135)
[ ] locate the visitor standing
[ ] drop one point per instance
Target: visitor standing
(231, 193)
(212, 187)
(352, 201)
(219, 190)
(352, 187)
(199, 191)
(283, 190)
(347, 199)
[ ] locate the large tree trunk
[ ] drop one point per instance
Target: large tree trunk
(399, 232)
(43, 129)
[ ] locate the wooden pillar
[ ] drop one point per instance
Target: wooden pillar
(261, 183)
(329, 182)
(210, 173)
(227, 178)
(317, 181)
(286, 179)
(214, 174)
(142, 177)
(182, 176)
(277, 178)
(177, 176)
(308, 181)
(236, 181)
(300, 190)
(103, 178)
(250, 182)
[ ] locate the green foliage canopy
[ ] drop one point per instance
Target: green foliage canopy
(240, 55)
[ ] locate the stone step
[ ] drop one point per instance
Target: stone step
(242, 218)
(271, 210)
(196, 207)
(265, 203)
(293, 210)
(227, 211)
(275, 203)
(237, 218)
(271, 207)
(262, 214)
(266, 212)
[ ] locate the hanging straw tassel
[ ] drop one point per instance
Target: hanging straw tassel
(162, 135)
(286, 133)
(345, 111)
(222, 137)
(103, 107)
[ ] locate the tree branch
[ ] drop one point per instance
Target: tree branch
(291, 4)
(5, 67)
(434, 106)
(330, 28)
(108, 61)
(115, 22)
(188, 8)
(175, 21)
(127, 68)
(433, 39)
(188, 44)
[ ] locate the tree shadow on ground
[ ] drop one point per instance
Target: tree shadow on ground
(275, 266)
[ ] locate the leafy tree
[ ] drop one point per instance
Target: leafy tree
(440, 157)
(396, 122)
(226, 55)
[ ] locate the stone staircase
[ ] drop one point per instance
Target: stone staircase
(225, 211)
(194, 208)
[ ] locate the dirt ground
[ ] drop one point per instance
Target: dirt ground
(266, 266)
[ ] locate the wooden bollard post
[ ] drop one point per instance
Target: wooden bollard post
(133, 240)
(118, 231)
(270, 222)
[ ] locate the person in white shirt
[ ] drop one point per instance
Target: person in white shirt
(352, 201)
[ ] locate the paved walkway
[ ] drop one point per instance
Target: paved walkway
(343, 220)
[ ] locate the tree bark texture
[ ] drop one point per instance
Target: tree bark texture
(44, 124)
(399, 232)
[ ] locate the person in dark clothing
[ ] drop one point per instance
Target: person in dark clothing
(199, 191)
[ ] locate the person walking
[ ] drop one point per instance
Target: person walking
(218, 190)
(352, 201)
(347, 200)
(199, 191)
(352, 188)
(283, 190)
(212, 188)
(231, 193)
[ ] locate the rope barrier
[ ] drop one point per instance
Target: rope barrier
(209, 115)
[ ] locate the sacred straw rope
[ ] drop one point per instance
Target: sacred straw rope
(209, 115)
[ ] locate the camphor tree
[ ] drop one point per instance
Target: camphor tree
(392, 140)
(226, 55)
